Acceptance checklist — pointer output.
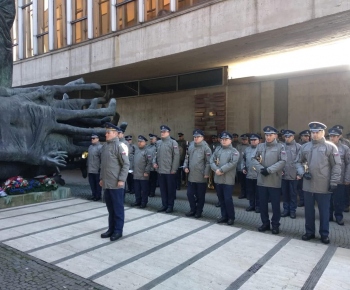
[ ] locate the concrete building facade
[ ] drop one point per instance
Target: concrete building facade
(121, 42)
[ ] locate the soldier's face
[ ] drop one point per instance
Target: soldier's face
(305, 138)
(141, 144)
(254, 142)
(153, 140)
(110, 134)
(245, 141)
(214, 140)
(270, 137)
(198, 139)
(120, 135)
(129, 141)
(334, 138)
(226, 141)
(164, 134)
(94, 140)
(289, 138)
(317, 135)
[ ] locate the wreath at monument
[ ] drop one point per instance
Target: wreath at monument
(19, 185)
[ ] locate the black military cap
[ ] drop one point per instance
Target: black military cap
(214, 136)
(180, 134)
(152, 135)
(225, 135)
(341, 127)
(141, 138)
(94, 135)
(234, 135)
(270, 130)
(164, 128)
(128, 138)
(287, 132)
(244, 136)
(197, 133)
(317, 126)
(254, 136)
(334, 131)
(305, 133)
(112, 127)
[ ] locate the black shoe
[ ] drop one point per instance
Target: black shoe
(250, 208)
(293, 215)
(132, 192)
(308, 237)
(242, 196)
(257, 210)
(346, 209)
(143, 205)
(285, 213)
(136, 204)
(301, 204)
(169, 210)
(198, 215)
(97, 199)
(264, 228)
(230, 222)
(151, 195)
(106, 235)
(221, 220)
(163, 208)
(218, 204)
(90, 198)
(190, 213)
(115, 237)
(331, 218)
(178, 188)
(325, 240)
(275, 231)
(340, 222)
(127, 191)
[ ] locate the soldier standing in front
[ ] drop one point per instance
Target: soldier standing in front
(269, 162)
(197, 164)
(153, 177)
(241, 176)
(224, 162)
(93, 164)
(166, 161)
(114, 171)
(320, 179)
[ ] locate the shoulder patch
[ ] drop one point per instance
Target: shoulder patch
(283, 152)
(125, 148)
(175, 146)
(208, 154)
(235, 153)
(336, 154)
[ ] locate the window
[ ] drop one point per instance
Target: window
(43, 26)
(156, 8)
(79, 20)
(183, 4)
(125, 89)
(102, 25)
(60, 24)
(159, 85)
(28, 28)
(126, 13)
(201, 79)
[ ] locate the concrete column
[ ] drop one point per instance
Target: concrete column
(69, 22)
(51, 26)
(90, 19)
(35, 27)
(172, 5)
(113, 15)
(20, 29)
(141, 11)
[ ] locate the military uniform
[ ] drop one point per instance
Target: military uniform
(142, 163)
(323, 174)
(153, 177)
(114, 167)
(167, 159)
(122, 140)
(272, 157)
(242, 177)
(225, 159)
(93, 164)
(300, 181)
(197, 161)
(251, 176)
(180, 176)
(235, 141)
(131, 148)
(289, 178)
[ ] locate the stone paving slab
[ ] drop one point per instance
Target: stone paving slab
(158, 251)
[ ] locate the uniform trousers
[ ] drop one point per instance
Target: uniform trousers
(252, 193)
(196, 196)
(300, 190)
(289, 193)
(153, 177)
(224, 192)
(96, 189)
(167, 184)
(337, 202)
(242, 181)
(272, 194)
(347, 196)
(115, 205)
(130, 182)
(323, 202)
(141, 188)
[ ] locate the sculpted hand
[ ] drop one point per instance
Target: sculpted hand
(54, 158)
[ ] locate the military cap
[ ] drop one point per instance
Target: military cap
(197, 133)
(305, 133)
(226, 135)
(152, 135)
(94, 135)
(128, 137)
(141, 138)
(317, 126)
(234, 135)
(287, 132)
(334, 131)
(244, 136)
(254, 137)
(110, 126)
(164, 128)
(214, 136)
(341, 127)
(282, 131)
(180, 134)
(270, 130)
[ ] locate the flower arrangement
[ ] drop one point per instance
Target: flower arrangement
(19, 185)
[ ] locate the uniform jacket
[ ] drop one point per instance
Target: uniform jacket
(130, 150)
(241, 148)
(198, 162)
(114, 163)
(142, 163)
(274, 158)
(324, 164)
(182, 150)
(344, 153)
(167, 156)
(249, 153)
(214, 145)
(290, 169)
(225, 159)
(94, 158)
(152, 149)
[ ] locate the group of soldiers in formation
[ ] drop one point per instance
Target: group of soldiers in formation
(315, 169)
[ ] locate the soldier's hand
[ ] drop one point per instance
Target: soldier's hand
(206, 176)
(155, 166)
(101, 183)
(186, 170)
(120, 183)
(332, 187)
(264, 171)
(218, 172)
(244, 170)
(172, 172)
(347, 183)
(145, 174)
(299, 177)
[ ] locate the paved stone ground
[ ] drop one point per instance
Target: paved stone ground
(21, 270)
